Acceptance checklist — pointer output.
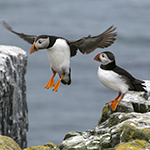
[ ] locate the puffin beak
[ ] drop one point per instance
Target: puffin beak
(97, 58)
(34, 48)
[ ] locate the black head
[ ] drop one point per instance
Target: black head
(105, 57)
(43, 42)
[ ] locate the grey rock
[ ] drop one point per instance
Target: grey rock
(128, 125)
(7, 143)
(13, 106)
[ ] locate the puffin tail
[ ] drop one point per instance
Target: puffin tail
(66, 79)
(138, 85)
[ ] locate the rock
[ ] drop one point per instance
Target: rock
(127, 126)
(13, 107)
(7, 143)
(134, 145)
(47, 146)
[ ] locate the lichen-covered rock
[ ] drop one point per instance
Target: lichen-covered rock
(52, 145)
(39, 148)
(13, 107)
(134, 145)
(47, 146)
(7, 143)
(116, 129)
(120, 127)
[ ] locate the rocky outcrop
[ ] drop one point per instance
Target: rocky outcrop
(7, 143)
(128, 126)
(13, 107)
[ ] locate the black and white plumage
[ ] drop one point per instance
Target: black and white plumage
(59, 50)
(116, 78)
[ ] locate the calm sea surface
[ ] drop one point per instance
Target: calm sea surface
(76, 107)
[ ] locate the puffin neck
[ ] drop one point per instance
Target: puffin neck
(109, 66)
(52, 40)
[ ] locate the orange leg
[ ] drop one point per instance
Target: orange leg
(58, 83)
(115, 103)
(115, 98)
(51, 82)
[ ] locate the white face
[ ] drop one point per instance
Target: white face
(104, 59)
(42, 43)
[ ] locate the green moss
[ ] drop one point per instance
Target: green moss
(105, 109)
(8, 143)
(52, 145)
(147, 133)
(47, 146)
(39, 148)
(2, 147)
(131, 133)
(104, 113)
(134, 145)
(128, 146)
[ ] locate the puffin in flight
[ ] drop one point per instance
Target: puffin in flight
(116, 78)
(60, 50)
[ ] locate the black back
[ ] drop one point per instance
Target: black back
(134, 84)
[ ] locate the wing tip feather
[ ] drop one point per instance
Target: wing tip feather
(6, 26)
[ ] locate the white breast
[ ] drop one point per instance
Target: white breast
(112, 80)
(59, 56)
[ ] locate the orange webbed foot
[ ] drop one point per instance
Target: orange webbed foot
(58, 83)
(115, 98)
(115, 103)
(51, 82)
(56, 87)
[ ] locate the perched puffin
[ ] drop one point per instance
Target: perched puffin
(116, 78)
(60, 50)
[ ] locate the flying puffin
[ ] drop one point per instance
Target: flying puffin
(60, 50)
(116, 78)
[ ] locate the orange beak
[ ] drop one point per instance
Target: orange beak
(33, 48)
(97, 58)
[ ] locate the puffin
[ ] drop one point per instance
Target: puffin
(60, 50)
(116, 78)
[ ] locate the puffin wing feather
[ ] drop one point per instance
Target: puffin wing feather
(29, 38)
(85, 44)
(89, 44)
(134, 84)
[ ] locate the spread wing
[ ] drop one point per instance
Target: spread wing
(89, 44)
(28, 38)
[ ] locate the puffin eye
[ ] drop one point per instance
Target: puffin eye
(39, 42)
(103, 55)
